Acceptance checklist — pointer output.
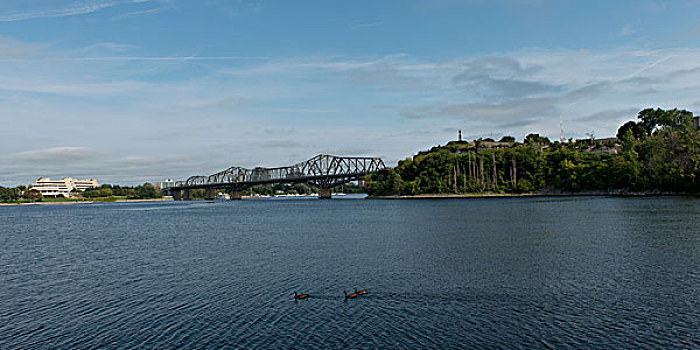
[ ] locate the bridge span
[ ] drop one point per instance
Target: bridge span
(323, 171)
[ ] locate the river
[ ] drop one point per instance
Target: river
(562, 273)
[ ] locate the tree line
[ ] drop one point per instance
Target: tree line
(105, 192)
(143, 191)
(8, 195)
(286, 189)
(660, 151)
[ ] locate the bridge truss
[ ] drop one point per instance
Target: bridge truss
(323, 171)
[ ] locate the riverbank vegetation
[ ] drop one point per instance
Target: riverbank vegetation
(287, 189)
(143, 191)
(298, 189)
(660, 152)
(8, 195)
(104, 193)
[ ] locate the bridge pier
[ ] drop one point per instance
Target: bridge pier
(210, 194)
(187, 194)
(236, 195)
(324, 193)
(177, 195)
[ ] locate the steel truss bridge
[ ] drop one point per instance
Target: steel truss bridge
(323, 171)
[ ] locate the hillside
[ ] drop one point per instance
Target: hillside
(658, 153)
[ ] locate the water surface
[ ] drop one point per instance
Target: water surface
(573, 273)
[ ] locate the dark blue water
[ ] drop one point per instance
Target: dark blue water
(525, 273)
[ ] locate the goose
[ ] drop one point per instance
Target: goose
(361, 291)
(298, 296)
(349, 296)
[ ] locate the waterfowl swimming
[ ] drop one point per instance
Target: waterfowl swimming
(349, 296)
(361, 291)
(298, 296)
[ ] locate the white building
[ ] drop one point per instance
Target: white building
(62, 187)
(161, 185)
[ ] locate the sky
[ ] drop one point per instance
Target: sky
(129, 91)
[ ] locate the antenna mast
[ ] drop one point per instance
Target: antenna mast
(561, 129)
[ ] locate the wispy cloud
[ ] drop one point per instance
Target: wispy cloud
(279, 144)
(364, 25)
(11, 48)
(627, 30)
(501, 78)
(140, 13)
(647, 67)
(133, 58)
(508, 114)
(300, 110)
(69, 8)
(235, 8)
(57, 154)
(606, 115)
(111, 47)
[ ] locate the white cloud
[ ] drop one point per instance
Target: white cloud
(194, 115)
(68, 8)
(83, 162)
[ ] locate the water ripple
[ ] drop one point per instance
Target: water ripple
(515, 273)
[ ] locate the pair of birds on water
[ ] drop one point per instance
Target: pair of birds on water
(298, 296)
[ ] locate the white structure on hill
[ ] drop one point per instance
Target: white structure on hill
(62, 187)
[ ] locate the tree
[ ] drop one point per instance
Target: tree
(9, 194)
(637, 130)
(145, 191)
(384, 182)
(105, 191)
(531, 139)
(649, 119)
(507, 139)
(652, 119)
(32, 195)
(677, 118)
(628, 140)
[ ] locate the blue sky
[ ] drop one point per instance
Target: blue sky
(129, 91)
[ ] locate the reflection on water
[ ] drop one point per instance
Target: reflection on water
(508, 273)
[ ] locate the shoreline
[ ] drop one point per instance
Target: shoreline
(92, 202)
(542, 194)
(424, 196)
